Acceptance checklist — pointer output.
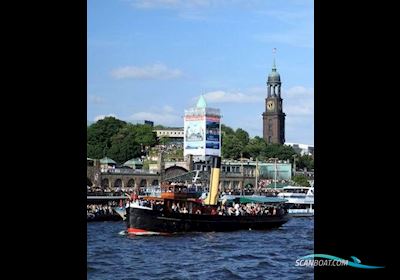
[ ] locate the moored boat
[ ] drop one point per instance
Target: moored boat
(300, 200)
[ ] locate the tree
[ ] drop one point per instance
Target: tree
(281, 152)
(301, 180)
(130, 142)
(242, 136)
(145, 135)
(226, 130)
(164, 140)
(99, 136)
(124, 145)
(254, 147)
(119, 140)
(305, 161)
(231, 147)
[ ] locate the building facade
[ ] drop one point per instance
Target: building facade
(170, 132)
(302, 149)
(273, 116)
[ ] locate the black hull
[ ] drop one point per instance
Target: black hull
(146, 221)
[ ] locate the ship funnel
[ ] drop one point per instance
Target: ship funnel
(212, 196)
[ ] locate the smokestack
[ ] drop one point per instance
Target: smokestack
(212, 196)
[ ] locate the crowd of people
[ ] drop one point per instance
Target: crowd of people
(91, 190)
(100, 210)
(249, 209)
(225, 209)
(236, 209)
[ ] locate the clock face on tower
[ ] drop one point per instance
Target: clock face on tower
(270, 105)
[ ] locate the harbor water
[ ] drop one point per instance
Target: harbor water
(269, 254)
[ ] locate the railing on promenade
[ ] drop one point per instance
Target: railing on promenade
(123, 171)
(105, 194)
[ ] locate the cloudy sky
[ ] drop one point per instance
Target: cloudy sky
(151, 59)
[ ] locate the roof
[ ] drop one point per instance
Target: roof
(170, 128)
(88, 158)
(106, 160)
(201, 103)
(133, 161)
(274, 75)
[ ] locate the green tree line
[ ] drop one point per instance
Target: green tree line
(122, 141)
(118, 140)
(237, 143)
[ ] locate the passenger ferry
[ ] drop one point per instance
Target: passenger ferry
(300, 200)
(159, 215)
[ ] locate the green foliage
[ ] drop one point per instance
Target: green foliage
(118, 140)
(305, 161)
(301, 180)
(242, 136)
(232, 147)
(226, 130)
(159, 126)
(254, 148)
(282, 152)
(238, 143)
(164, 140)
(175, 154)
(99, 136)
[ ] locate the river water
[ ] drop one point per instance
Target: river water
(267, 254)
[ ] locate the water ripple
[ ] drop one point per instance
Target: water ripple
(215, 255)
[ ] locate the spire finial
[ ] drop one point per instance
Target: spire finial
(273, 54)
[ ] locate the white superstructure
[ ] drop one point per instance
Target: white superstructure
(299, 199)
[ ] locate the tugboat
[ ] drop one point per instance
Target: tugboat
(179, 209)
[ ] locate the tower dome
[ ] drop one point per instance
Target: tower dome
(274, 76)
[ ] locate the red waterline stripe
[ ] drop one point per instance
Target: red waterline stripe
(136, 230)
(144, 232)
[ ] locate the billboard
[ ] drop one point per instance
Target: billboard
(194, 135)
(213, 136)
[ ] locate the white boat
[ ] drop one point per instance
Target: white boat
(300, 200)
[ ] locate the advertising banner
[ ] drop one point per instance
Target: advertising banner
(194, 138)
(213, 136)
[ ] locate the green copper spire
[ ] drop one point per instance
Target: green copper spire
(274, 75)
(274, 64)
(201, 103)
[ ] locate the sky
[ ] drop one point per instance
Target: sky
(152, 59)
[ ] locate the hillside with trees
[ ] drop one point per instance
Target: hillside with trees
(122, 141)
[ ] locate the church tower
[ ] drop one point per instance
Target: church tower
(274, 117)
